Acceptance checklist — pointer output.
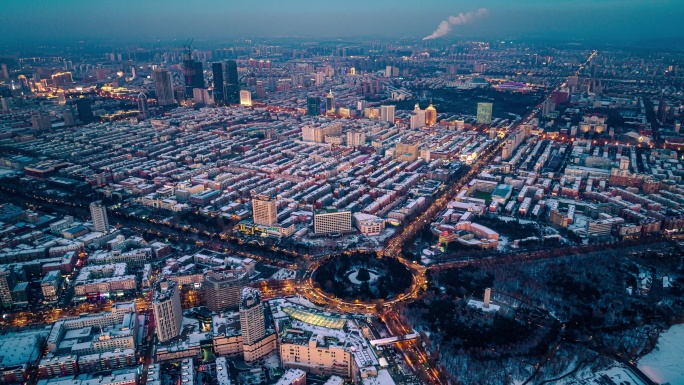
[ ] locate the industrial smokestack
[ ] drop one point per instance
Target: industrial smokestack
(444, 26)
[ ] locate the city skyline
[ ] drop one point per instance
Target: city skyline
(154, 20)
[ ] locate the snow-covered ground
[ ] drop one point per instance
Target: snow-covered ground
(666, 362)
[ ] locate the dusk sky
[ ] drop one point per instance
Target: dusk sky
(146, 20)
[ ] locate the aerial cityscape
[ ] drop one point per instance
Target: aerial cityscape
(376, 193)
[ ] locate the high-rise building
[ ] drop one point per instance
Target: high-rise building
(245, 98)
(252, 322)
(333, 222)
(265, 210)
(387, 113)
(231, 90)
(484, 113)
(5, 72)
(85, 111)
(69, 117)
(98, 213)
(330, 104)
(193, 74)
(201, 96)
(143, 107)
(7, 281)
(430, 115)
(313, 106)
(548, 107)
(163, 86)
(222, 289)
(260, 91)
(355, 139)
(199, 75)
(319, 78)
(217, 72)
(417, 119)
(168, 314)
(257, 341)
(40, 121)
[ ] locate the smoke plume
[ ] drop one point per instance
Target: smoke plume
(462, 18)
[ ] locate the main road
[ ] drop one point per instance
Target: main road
(394, 249)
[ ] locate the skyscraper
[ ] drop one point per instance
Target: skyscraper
(387, 113)
(85, 111)
(330, 104)
(430, 115)
(168, 313)
(264, 210)
(313, 106)
(484, 113)
(199, 76)
(192, 73)
(98, 213)
(222, 289)
(252, 322)
(231, 90)
(217, 72)
(143, 107)
(163, 86)
(5, 72)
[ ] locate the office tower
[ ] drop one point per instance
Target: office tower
(5, 72)
(98, 213)
(143, 107)
(230, 76)
(333, 222)
(231, 90)
(163, 86)
(313, 106)
(168, 314)
(85, 111)
(222, 289)
(484, 113)
(260, 91)
(356, 139)
(430, 115)
(40, 121)
(252, 322)
(387, 113)
(199, 76)
(265, 210)
(330, 104)
(69, 118)
(217, 72)
(245, 98)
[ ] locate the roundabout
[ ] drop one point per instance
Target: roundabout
(362, 282)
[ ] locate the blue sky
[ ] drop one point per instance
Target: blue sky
(145, 20)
